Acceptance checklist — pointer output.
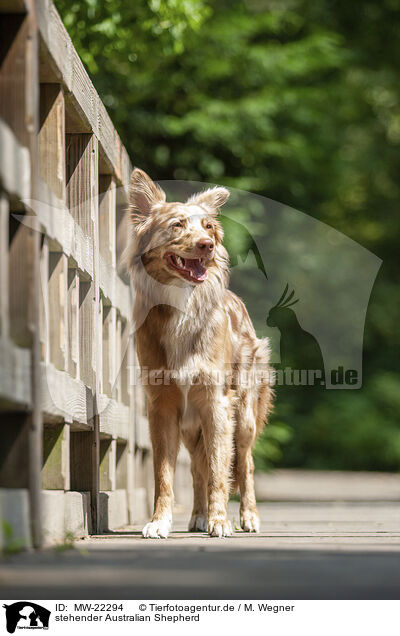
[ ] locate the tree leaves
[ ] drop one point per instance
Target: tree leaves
(297, 101)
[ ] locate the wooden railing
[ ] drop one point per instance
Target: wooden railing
(74, 453)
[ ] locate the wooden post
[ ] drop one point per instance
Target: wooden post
(36, 422)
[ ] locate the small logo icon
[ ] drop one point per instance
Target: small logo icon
(26, 615)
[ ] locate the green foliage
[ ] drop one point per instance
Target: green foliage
(269, 448)
(12, 545)
(356, 432)
(294, 100)
(68, 543)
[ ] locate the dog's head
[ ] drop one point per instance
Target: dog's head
(176, 241)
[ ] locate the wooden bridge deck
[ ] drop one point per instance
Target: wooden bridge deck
(307, 549)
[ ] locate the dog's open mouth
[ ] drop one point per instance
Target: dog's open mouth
(193, 269)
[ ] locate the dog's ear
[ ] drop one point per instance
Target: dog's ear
(213, 198)
(143, 194)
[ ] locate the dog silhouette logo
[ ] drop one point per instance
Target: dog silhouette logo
(26, 615)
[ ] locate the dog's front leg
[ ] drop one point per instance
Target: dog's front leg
(164, 434)
(218, 434)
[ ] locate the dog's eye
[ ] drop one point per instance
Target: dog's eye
(178, 224)
(208, 226)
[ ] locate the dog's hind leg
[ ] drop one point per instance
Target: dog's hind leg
(245, 436)
(199, 519)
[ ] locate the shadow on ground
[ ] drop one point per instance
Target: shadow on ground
(201, 573)
(307, 550)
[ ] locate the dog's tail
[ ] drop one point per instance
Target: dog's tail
(265, 381)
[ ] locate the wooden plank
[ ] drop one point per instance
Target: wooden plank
(107, 220)
(14, 451)
(81, 153)
(122, 472)
(82, 190)
(21, 281)
(65, 234)
(4, 216)
(82, 199)
(118, 361)
(97, 357)
(58, 314)
(123, 231)
(98, 318)
(115, 291)
(85, 451)
(95, 486)
(84, 110)
(124, 371)
(114, 418)
(108, 461)
(14, 6)
(55, 471)
(35, 429)
(87, 344)
(106, 134)
(108, 350)
(85, 98)
(44, 309)
(130, 450)
(99, 354)
(65, 398)
(142, 436)
(57, 43)
(73, 364)
(14, 33)
(15, 376)
(123, 169)
(15, 169)
(81, 448)
(52, 138)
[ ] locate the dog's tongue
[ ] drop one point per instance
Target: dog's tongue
(197, 269)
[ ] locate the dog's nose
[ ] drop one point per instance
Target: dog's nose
(205, 245)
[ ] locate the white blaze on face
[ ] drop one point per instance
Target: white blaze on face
(195, 215)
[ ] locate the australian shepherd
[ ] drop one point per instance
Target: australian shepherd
(213, 388)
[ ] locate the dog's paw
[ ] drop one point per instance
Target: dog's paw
(219, 528)
(157, 529)
(249, 521)
(198, 523)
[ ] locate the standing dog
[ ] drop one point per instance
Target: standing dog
(198, 336)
